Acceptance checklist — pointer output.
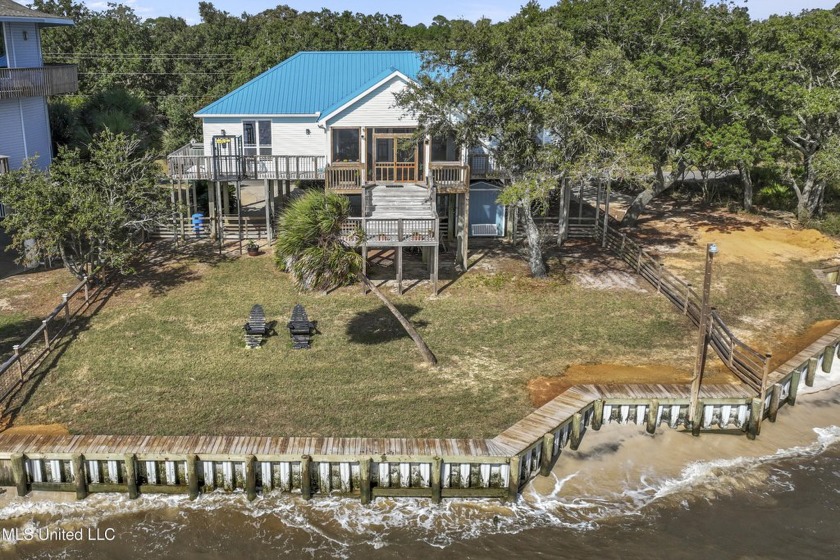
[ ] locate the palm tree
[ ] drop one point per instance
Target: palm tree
(311, 248)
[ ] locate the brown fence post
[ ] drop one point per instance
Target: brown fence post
(64, 298)
(687, 297)
(87, 293)
(46, 333)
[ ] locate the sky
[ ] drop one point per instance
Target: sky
(413, 12)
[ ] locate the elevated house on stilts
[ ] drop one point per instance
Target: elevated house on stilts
(331, 118)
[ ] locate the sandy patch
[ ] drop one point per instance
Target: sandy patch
(609, 280)
(769, 246)
(787, 348)
(38, 429)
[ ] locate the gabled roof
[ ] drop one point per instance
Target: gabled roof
(314, 83)
(14, 12)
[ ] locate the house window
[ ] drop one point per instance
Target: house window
(256, 138)
(346, 144)
(445, 148)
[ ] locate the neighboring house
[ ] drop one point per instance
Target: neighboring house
(332, 117)
(25, 84)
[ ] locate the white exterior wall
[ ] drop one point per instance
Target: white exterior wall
(288, 134)
(378, 108)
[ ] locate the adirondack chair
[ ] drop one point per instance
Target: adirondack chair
(256, 328)
(301, 328)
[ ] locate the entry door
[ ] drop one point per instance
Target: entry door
(395, 158)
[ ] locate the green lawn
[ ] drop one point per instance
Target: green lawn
(167, 356)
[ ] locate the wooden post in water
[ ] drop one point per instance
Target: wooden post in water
(435, 482)
(577, 431)
(756, 412)
(251, 477)
(811, 373)
(652, 413)
(80, 476)
(364, 480)
(547, 454)
(597, 415)
(697, 419)
(828, 358)
(131, 476)
(192, 476)
(775, 400)
(305, 477)
(19, 474)
(795, 376)
(513, 482)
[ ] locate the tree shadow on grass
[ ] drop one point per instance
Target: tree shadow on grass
(379, 326)
(14, 333)
(22, 392)
(165, 265)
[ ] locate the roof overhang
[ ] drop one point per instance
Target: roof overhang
(38, 20)
(256, 116)
(344, 104)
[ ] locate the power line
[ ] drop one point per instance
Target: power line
(140, 55)
(153, 74)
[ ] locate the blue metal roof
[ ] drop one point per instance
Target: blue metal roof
(313, 82)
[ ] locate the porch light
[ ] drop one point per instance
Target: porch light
(223, 132)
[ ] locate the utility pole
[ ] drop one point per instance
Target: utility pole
(702, 342)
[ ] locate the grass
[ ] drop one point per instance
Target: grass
(170, 359)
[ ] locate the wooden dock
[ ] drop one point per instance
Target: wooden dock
(398, 467)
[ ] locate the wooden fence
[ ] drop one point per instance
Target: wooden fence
(30, 353)
(747, 364)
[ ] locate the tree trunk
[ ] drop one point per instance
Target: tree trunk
(641, 201)
(409, 328)
(812, 192)
(747, 184)
(535, 257)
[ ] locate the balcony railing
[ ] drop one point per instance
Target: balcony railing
(344, 176)
(4, 164)
(189, 163)
(35, 82)
(390, 232)
(450, 177)
(483, 166)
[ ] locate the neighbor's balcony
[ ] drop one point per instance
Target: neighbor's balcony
(483, 166)
(4, 164)
(450, 177)
(189, 163)
(36, 82)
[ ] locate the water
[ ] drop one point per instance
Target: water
(622, 494)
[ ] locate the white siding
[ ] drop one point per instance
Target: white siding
(377, 108)
(31, 113)
(289, 137)
(288, 134)
(23, 53)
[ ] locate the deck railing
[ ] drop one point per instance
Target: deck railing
(483, 166)
(41, 81)
(450, 176)
(344, 176)
(388, 232)
(750, 366)
(189, 163)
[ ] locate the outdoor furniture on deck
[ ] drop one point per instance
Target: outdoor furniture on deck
(301, 328)
(256, 328)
